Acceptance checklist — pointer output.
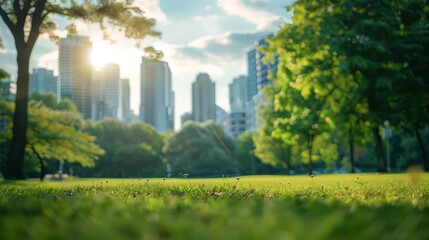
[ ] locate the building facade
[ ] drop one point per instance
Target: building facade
(43, 81)
(75, 72)
(237, 94)
(258, 78)
(110, 92)
(126, 97)
(237, 99)
(236, 123)
(157, 97)
(8, 89)
(203, 99)
(252, 75)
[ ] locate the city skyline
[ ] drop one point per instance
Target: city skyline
(197, 36)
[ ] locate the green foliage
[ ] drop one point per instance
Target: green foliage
(50, 101)
(336, 207)
(56, 134)
(52, 135)
(3, 74)
(248, 162)
(138, 160)
(201, 150)
(405, 150)
(344, 68)
(130, 151)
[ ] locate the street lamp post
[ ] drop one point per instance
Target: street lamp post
(387, 134)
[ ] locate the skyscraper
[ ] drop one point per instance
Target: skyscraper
(252, 75)
(8, 89)
(125, 93)
(203, 99)
(237, 99)
(258, 74)
(75, 72)
(43, 81)
(110, 92)
(258, 71)
(157, 97)
(237, 94)
(97, 104)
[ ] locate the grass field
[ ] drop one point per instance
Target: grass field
(364, 206)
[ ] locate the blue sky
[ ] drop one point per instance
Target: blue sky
(210, 36)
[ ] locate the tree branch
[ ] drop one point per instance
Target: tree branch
(20, 15)
(7, 20)
(27, 6)
(36, 22)
(17, 7)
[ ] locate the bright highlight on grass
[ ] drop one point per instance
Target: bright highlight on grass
(265, 207)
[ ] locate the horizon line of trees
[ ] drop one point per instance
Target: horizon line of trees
(58, 135)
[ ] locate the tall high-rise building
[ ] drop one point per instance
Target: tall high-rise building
(110, 92)
(43, 81)
(75, 72)
(237, 99)
(97, 104)
(8, 89)
(125, 93)
(203, 99)
(252, 75)
(258, 74)
(237, 94)
(171, 110)
(157, 97)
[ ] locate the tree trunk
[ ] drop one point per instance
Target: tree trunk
(425, 159)
(15, 162)
(42, 164)
(381, 161)
(352, 148)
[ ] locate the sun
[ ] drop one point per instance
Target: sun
(104, 53)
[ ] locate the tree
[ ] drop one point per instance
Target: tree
(111, 135)
(355, 57)
(54, 134)
(130, 151)
(270, 149)
(50, 101)
(146, 134)
(138, 160)
(201, 149)
(248, 162)
(27, 19)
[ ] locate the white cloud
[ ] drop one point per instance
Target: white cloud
(254, 11)
(49, 61)
(152, 9)
(227, 47)
(209, 17)
(7, 51)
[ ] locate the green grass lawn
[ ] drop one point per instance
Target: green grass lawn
(363, 206)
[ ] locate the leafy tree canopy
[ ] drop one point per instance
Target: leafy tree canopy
(201, 149)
